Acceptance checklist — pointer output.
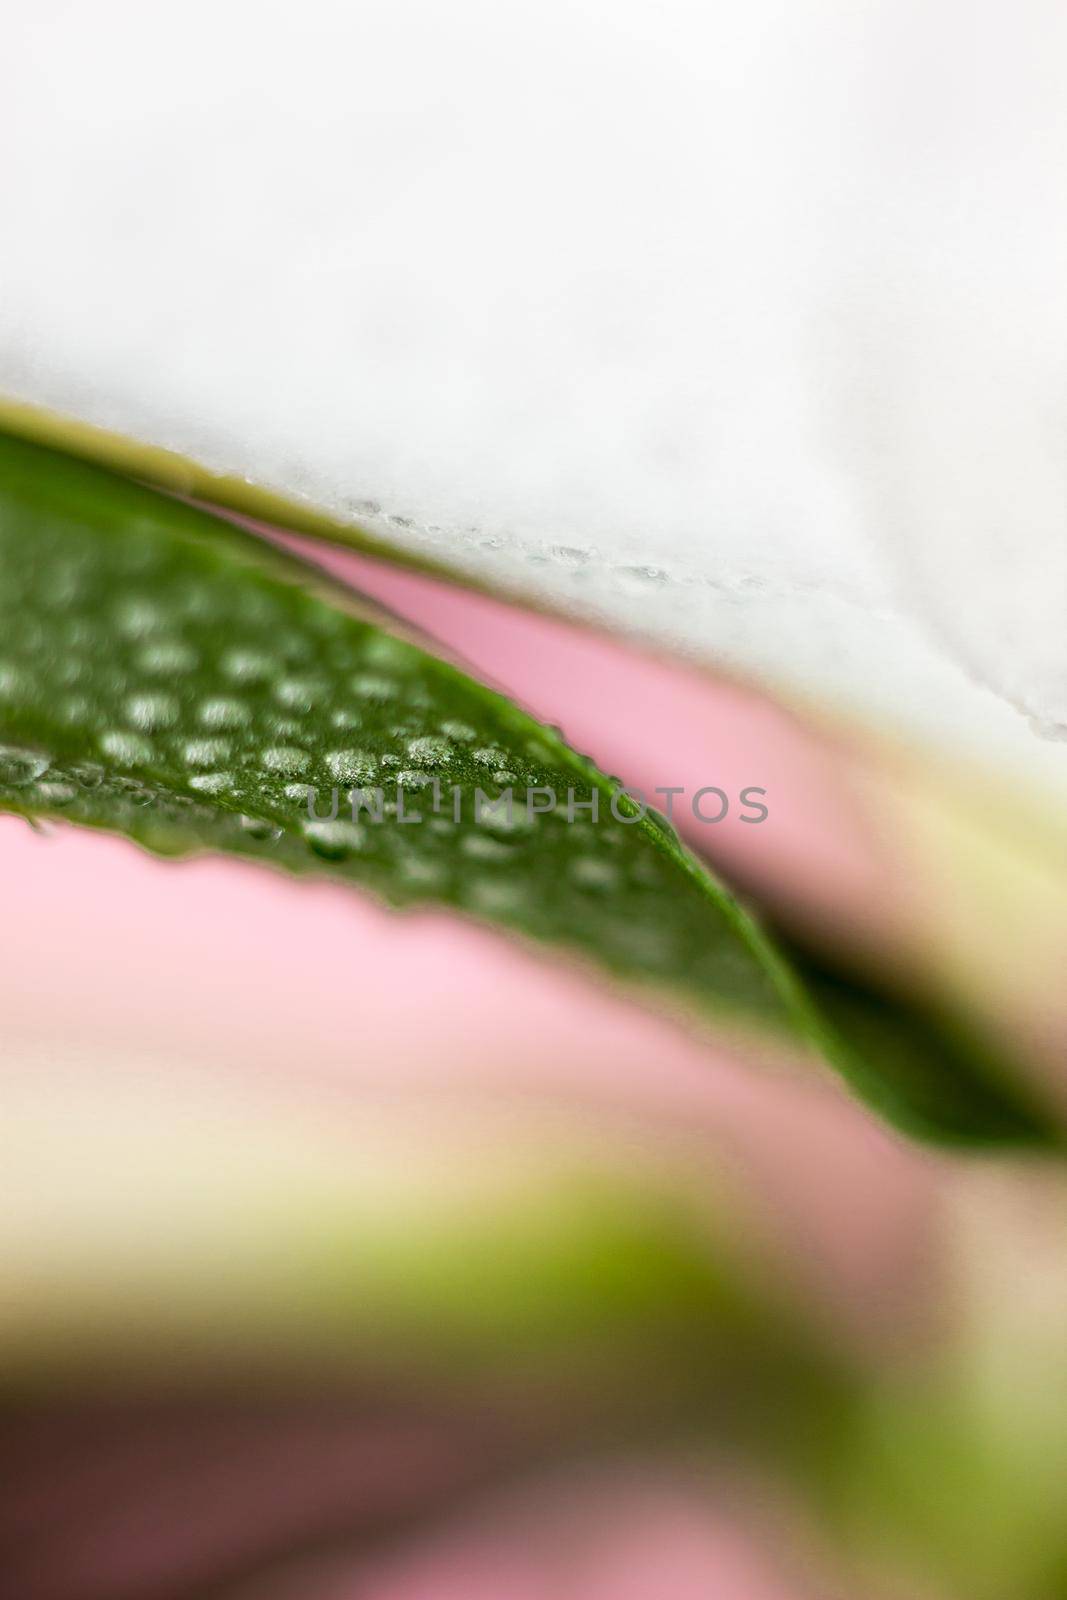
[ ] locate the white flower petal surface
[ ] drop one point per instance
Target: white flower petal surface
(741, 327)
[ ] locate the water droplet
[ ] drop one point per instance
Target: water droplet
(334, 840)
(646, 872)
(29, 634)
(590, 872)
(55, 794)
(151, 711)
(12, 681)
(259, 828)
(569, 555)
(224, 714)
(88, 775)
(83, 634)
(291, 643)
(257, 608)
(140, 552)
(459, 730)
(412, 778)
(660, 822)
(345, 717)
(505, 777)
(246, 666)
(212, 782)
(19, 766)
(480, 847)
(286, 758)
(128, 749)
(68, 671)
(642, 574)
(351, 766)
(136, 617)
(496, 897)
(199, 601)
(206, 752)
(65, 585)
(503, 817)
(421, 873)
(369, 686)
(167, 657)
(427, 748)
(297, 791)
(638, 942)
(75, 709)
(382, 650)
(490, 756)
(299, 694)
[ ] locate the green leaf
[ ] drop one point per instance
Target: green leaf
(168, 677)
(923, 1069)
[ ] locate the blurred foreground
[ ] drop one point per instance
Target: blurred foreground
(353, 1254)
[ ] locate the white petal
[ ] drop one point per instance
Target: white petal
(741, 326)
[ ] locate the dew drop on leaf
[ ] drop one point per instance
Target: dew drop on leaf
(259, 828)
(286, 758)
(128, 749)
(246, 666)
(334, 840)
(429, 750)
(19, 766)
(205, 752)
(299, 694)
(152, 711)
(483, 848)
(224, 714)
(590, 872)
(167, 657)
(351, 766)
(212, 782)
(55, 794)
(369, 686)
